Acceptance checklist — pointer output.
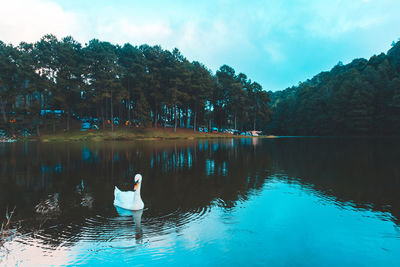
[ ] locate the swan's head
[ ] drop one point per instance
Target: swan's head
(138, 180)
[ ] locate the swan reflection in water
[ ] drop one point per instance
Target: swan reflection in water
(137, 218)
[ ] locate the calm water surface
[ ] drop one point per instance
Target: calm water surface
(241, 202)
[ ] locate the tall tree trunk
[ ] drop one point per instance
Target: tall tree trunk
(3, 110)
(129, 111)
(120, 120)
(194, 121)
(180, 118)
(45, 112)
(102, 117)
(165, 117)
(156, 117)
(54, 122)
(24, 104)
(235, 120)
(185, 119)
(106, 110)
(97, 113)
(40, 101)
(134, 114)
(68, 118)
(112, 114)
(176, 119)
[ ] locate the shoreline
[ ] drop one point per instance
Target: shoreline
(136, 134)
(151, 134)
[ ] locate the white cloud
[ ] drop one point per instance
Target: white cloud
(334, 18)
(29, 20)
(125, 30)
(196, 36)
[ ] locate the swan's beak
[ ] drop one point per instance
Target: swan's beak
(136, 185)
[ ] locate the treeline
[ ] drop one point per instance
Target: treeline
(48, 83)
(360, 98)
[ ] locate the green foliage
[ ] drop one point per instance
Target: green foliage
(360, 98)
(135, 85)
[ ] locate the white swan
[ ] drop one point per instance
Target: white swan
(130, 200)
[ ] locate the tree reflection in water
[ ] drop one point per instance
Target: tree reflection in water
(71, 184)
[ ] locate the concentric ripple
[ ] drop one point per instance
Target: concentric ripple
(103, 235)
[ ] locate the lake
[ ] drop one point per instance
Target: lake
(225, 202)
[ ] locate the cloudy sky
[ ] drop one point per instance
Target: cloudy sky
(275, 42)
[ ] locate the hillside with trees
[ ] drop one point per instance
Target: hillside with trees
(360, 98)
(51, 83)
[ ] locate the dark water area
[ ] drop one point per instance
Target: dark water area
(241, 202)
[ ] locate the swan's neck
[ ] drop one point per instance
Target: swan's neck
(137, 197)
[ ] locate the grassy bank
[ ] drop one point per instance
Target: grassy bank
(128, 134)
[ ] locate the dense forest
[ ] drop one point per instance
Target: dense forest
(360, 98)
(52, 83)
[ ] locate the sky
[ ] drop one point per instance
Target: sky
(277, 43)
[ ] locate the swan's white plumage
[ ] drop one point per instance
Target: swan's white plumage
(129, 200)
(124, 199)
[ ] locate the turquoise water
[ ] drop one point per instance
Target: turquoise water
(250, 202)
